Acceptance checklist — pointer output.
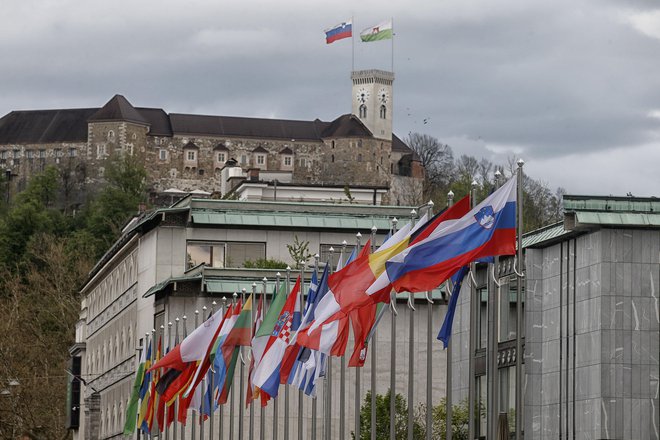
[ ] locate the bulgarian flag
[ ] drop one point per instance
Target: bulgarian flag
(132, 408)
(381, 31)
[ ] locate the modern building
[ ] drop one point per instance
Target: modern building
(175, 261)
(591, 327)
(187, 152)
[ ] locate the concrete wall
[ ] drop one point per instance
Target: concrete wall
(592, 337)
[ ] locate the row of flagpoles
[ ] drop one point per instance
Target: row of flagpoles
(292, 341)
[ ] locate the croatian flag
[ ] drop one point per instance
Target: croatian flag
(488, 229)
(339, 32)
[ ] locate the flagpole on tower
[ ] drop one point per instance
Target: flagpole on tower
(393, 355)
(519, 313)
(221, 418)
(352, 45)
(358, 236)
(374, 229)
(392, 44)
(448, 392)
(411, 352)
(473, 304)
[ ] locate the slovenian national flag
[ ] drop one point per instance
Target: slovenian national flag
(487, 230)
(339, 32)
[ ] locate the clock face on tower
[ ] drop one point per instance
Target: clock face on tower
(362, 96)
(383, 96)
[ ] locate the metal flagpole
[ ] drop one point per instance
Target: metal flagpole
(374, 229)
(393, 355)
(448, 392)
(519, 312)
(429, 352)
(411, 352)
(358, 236)
(286, 389)
(201, 416)
(176, 402)
(352, 46)
(491, 352)
(342, 370)
(474, 309)
(275, 399)
(211, 384)
(314, 401)
(168, 409)
(232, 398)
(193, 427)
(254, 304)
(221, 409)
(392, 44)
(262, 409)
(327, 425)
(302, 309)
(241, 381)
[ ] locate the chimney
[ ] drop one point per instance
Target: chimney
(253, 174)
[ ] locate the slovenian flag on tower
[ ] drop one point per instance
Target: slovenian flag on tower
(339, 32)
(487, 230)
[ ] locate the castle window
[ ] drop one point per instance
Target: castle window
(134, 136)
(383, 112)
(29, 154)
(359, 158)
(162, 154)
(190, 155)
(333, 144)
(332, 158)
(243, 159)
(3, 155)
(201, 172)
(111, 135)
(221, 157)
(359, 143)
(59, 152)
(287, 161)
(129, 148)
(363, 111)
(17, 154)
(42, 154)
(261, 159)
(73, 152)
(100, 151)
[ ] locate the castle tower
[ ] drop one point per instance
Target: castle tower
(372, 100)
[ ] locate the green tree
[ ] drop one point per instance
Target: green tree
(114, 205)
(383, 418)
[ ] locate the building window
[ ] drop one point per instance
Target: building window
(17, 154)
(129, 149)
(221, 157)
(3, 155)
(59, 152)
(190, 155)
(332, 158)
(228, 254)
(287, 161)
(42, 154)
(29, 154)
(363, 111)
(261, 159)
(100, 151)
(482, 318)
(111, 135)
(359, 159)
(73, 152)
(333, 145)
(333, 257)
(359, 143)
(243, 159)
(383, 112)
(162, 154)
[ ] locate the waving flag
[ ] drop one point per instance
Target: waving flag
(252, 391)
(144, 394)
(381, 31)
(132, 407)
(457, 281)
(267, 373)
(487, 230)
(339, 32)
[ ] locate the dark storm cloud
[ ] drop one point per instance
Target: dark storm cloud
(548, 80)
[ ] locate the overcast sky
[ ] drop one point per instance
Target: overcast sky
(571, 87)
